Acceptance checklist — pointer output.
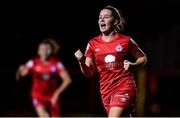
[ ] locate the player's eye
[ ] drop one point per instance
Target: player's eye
(100, 17)
(107, 16)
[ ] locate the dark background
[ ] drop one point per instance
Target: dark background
(153, 24)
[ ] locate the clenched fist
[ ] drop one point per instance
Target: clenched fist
(127, 64)
(79, 55)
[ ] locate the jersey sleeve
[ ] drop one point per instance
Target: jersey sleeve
(132, 47)
(89, 51)
(60, 67)
(29, 65)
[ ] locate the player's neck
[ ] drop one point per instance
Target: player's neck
(44, 61)
(107, 37)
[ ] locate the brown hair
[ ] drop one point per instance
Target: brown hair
(116, 14)
(54, 45)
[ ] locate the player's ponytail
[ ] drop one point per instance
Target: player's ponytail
(119, 26)
(54, 45)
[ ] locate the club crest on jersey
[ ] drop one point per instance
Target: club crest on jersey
(119, 48)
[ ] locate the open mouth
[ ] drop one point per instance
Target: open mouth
(103, 25)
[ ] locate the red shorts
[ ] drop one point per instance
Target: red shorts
(123, 97)
(53, 110)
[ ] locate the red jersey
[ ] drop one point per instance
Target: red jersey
(109, 58)
(44, 76)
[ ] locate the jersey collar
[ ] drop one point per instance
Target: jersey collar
(116, 36)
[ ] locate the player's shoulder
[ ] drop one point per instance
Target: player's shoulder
(35, 60)
(31, 62)
(55, 59)
(94, 39)
(128, 39)
(58, 63)
(123, 36)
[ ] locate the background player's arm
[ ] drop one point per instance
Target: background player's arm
(66, 81)
(24, 69)
(21, 72)
(87, 67)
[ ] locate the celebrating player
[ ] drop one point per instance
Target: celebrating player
(109, 53)
(45, 69)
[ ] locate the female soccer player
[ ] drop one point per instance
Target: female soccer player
(45, 69)
(109, 53)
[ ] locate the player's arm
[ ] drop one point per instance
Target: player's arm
(137, 53)
(66, 81)
(21, 72)
(87, 67)
(140, 57)
(24, 69)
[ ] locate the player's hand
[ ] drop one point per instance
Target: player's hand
(23, 70)
(79, 55)
(18, 75)
(128, 64)
(54, 98)
(20, 72)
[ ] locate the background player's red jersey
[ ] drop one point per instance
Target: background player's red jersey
(109, 58)
(44, 77)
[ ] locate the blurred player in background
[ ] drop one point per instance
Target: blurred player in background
(45, 69)
(108, 53)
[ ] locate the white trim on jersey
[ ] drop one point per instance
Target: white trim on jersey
(29, 64)
(60, 66)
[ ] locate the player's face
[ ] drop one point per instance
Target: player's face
(106, 21)
(44, 51)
